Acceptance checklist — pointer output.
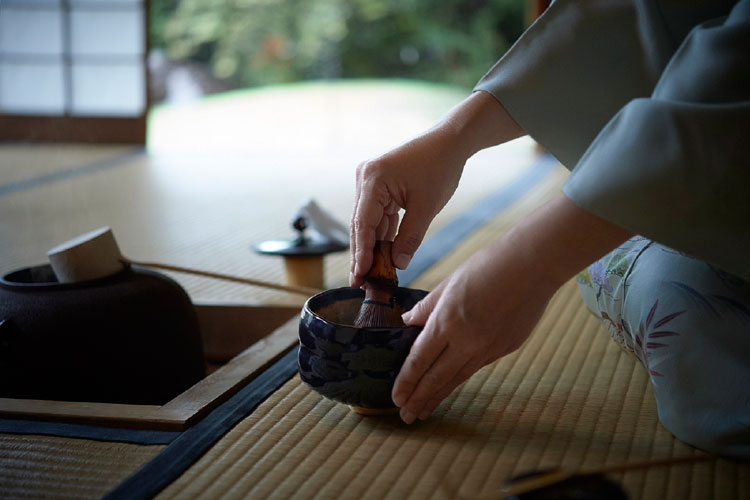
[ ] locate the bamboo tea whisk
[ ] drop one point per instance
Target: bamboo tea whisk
(379, 307)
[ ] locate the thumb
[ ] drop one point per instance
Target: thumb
(417, 315)
(411, 231)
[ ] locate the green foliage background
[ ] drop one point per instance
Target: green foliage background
(258, 42)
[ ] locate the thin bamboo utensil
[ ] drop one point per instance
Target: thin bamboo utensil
(302, 290)
(519, 487)
(96, 255)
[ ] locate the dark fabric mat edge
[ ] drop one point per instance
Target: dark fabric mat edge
(116, 161)
(190, 445)
(116, 434)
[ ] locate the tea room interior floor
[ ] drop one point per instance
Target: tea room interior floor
(225, 173)
(229, 172)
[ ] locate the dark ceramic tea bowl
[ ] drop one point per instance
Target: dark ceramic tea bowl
(353, 365)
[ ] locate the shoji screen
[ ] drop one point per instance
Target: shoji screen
(73, 70)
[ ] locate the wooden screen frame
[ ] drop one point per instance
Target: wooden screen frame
(73, 129)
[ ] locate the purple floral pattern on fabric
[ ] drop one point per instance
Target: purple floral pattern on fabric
(650, 351)
(688, 324)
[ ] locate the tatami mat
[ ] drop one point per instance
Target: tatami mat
(207, 210)
(202, 210)
(569, 397)
(23, 162)
(54, 467)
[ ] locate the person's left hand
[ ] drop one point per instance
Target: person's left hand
(484, 310)
(490, 304)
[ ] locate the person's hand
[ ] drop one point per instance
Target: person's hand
(488, 306)
(482, 311)
(420, 177)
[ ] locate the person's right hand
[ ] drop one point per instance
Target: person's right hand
(418, 177)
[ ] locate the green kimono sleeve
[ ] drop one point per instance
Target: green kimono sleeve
(657, 123)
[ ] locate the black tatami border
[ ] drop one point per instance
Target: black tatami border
(186, 449)
(106, 164)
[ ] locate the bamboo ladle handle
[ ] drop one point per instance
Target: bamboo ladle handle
(302, 290)
(557, 476)
(519, 487)
(96, 254)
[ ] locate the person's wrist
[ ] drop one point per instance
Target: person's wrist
(455, 146)
(481, 121)
(538, 256)
(562, 239)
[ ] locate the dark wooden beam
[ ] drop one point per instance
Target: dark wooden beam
(73, 129)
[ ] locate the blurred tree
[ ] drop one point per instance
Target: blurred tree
(256, 42)
(159, 12)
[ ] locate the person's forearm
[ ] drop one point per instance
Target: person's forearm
(562, 238)
(479, 122)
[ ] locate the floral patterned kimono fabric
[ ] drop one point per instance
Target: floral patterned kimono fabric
(688, 323)
(649, 100)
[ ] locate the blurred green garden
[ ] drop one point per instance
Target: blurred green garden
(251, 43)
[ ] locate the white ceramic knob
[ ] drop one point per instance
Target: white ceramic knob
(88, 256)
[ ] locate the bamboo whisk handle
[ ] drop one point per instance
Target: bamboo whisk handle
(382, 271)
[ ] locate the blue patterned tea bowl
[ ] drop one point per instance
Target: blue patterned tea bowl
(353, 365)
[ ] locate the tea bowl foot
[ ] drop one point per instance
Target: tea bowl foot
(373, 411)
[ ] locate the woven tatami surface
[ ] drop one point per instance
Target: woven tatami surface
(22, 162)
(569, 397)
(225, 174)
(203, 212)
(55, 467)
(203, 209)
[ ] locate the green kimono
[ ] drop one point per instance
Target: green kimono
(656, 122)
(650, 102)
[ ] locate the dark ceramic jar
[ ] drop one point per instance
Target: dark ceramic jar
(132, 337)
(353, 365)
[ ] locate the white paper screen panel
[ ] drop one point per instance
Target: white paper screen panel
(33, 89)
(31, 67)
(32, 3)
(108, 90)
(75, 58)
(25, 32)
(119, 32)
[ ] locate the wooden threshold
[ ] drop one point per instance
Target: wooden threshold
(217, 321)
(73, 129)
